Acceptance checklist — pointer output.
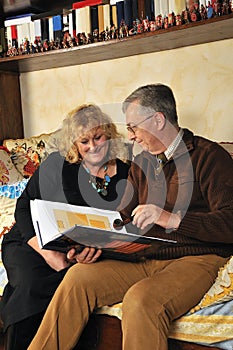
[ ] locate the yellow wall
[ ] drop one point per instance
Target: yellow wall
(201, 77)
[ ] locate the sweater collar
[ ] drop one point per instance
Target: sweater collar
(185, 145)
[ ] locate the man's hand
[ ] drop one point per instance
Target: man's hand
(147, 214)
(87, 256)
(56, 260)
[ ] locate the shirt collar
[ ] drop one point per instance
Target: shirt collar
(173, 146)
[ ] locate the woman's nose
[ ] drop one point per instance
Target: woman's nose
(92, 144)
(131, 135)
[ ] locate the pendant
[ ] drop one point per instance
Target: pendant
(104, 192)
(107, 178)
(99, 187)
(94, 185)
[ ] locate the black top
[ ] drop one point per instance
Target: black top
(58, 180)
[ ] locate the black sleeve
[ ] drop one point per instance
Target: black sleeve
(46, 183)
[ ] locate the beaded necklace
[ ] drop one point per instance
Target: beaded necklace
(100, 187)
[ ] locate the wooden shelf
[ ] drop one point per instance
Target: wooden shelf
(195, 33)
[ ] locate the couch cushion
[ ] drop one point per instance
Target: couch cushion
(28, 153)
(8, 173)
(222, 289)
(13, 190)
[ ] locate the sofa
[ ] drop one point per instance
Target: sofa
(208, 325)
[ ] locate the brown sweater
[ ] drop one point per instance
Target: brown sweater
(198, 182)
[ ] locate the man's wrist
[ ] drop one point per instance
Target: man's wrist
(174, 221)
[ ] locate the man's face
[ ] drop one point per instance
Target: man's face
(141, 126)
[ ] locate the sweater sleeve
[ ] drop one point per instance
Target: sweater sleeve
(213, 171)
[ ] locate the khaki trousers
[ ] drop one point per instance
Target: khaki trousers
(154, 293)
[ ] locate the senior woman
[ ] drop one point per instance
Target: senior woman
(86, 171)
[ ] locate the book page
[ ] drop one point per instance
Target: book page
(66, 219)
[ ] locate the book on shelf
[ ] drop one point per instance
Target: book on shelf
(120, 12)
(51, 31)
(177, 6)
(24, 33)
(44, 29)
(94, 18)
(128, 12)
(83, 20)
(100, 18)
(57, 27)
(62, 226)
(113, 15)
(164, 7)
(84, 3)
(106, 15)
(103, 17)
(16, 20)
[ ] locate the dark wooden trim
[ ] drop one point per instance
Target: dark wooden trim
(11, 120)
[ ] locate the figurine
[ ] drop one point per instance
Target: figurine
(178, 20)
(171, 19)
(145, 23)
(159, 22)
(226, 7)
(139, 28)
(95, 35)
(152, 26)
(113, 34)
(165, 22)
(46, 45)
(123, 31)
(185, 16)
(203, 12)
(210, 10)
(194, 13)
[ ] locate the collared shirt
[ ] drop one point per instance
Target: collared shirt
(173, 146)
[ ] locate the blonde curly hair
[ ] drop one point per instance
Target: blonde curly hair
(80, 121)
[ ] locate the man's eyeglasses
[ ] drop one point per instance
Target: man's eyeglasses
(132, 128)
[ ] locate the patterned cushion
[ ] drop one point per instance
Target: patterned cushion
(8, 172)
(222, 289)
(211, 326)
(14, 190)
(7, 206)
(7, 209)
(27, 154)
(18, 159)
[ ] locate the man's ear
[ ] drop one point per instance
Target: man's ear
(160, 120)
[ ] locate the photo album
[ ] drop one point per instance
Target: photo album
(62, 226)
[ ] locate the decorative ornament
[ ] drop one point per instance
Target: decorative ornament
(100, 187)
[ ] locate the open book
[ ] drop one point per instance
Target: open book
(62, 226)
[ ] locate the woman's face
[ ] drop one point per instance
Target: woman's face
(93, 146)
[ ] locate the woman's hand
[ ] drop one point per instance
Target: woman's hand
(87, 256)
(56, 260)
(147, 214)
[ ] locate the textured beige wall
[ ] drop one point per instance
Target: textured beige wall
(201, 77)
